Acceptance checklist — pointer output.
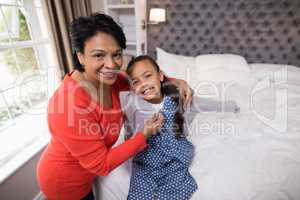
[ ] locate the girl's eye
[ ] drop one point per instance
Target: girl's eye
(134, 82)
(148, 75)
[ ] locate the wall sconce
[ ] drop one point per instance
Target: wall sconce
(156, 16)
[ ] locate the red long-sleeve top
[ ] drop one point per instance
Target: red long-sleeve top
(82, 134)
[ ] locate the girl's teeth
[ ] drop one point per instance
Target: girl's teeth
(147, 91)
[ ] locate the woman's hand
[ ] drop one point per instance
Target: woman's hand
(153, 125)
(186, 92)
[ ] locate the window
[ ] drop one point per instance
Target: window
(26, 70)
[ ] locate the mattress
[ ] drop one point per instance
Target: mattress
(245, 156)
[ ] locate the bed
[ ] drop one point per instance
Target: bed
(250, 155)
(253, 154)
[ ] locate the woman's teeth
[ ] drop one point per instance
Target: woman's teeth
(109, 74)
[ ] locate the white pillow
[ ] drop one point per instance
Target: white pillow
(207, 73)
(177, 66)
(224, 85)
(223, 77)
(224, 61)
(259, 71)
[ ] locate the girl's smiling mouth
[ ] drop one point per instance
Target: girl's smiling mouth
(147, 90)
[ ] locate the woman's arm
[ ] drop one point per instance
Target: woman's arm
(84, 139)
(186, 92)
(123, 81)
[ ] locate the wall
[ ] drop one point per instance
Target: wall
(97, 6)
(22, 185)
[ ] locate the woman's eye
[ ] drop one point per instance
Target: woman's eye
(118, 55)
(98, 55)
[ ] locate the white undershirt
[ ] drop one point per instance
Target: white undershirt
(137, 111)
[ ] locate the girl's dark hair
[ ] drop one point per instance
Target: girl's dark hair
(167, 88)
(83, 28)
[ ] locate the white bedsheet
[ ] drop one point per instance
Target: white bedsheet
(238, 156)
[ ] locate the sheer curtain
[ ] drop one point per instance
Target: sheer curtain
(59, 14)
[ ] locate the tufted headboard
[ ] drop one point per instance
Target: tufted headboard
(264, 31)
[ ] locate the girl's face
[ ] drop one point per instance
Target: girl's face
(102, 59)
(146, 81)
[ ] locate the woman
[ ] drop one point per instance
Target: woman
(84, 114)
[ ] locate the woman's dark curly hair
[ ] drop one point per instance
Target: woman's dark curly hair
(167, 88)
(83, 28)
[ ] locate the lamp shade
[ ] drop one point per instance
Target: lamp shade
(157, 15)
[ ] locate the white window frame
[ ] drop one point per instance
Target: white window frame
(13, 22)
(14, 160)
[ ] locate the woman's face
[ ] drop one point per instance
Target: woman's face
(146, 81)
(102, 59)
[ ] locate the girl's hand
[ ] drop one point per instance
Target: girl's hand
(153, 125)
(186, 92)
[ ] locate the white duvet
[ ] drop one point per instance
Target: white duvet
(238, 156)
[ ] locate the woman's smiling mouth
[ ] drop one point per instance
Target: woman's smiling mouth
(109, 73)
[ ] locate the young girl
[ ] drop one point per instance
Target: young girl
(161, 171)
